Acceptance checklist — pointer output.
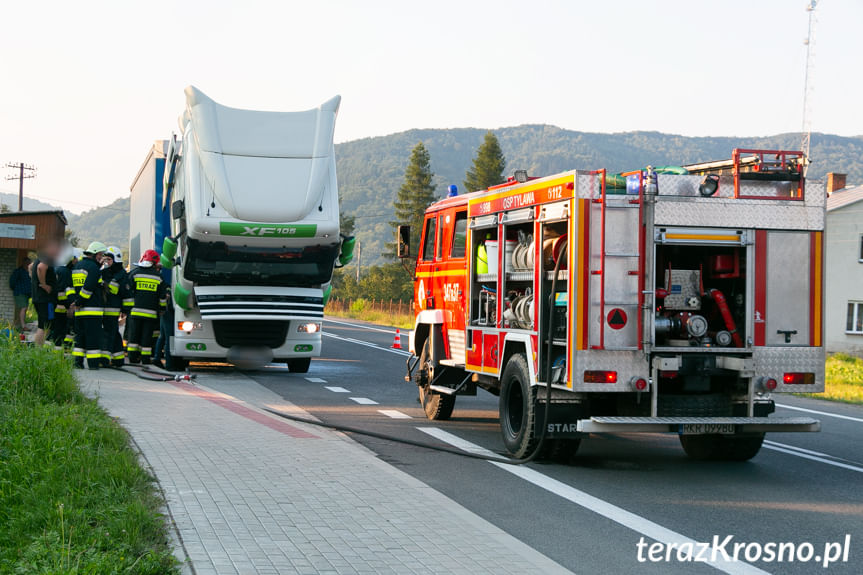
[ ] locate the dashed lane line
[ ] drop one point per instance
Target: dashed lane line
(394, 413)
(400, 352)
(364, 401)
(617, 514)
(315, 380)
(336, 389)
(790, 450)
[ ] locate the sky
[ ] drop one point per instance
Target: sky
(88, 85)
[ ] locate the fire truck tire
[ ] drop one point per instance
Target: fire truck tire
(175, 363)
(299, 364)
(722, 447)
(438, 407)
(517, 408)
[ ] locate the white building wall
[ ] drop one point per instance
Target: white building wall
(844, 276)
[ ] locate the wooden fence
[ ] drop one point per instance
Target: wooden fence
(391, 307)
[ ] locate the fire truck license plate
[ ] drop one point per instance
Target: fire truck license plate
(706, 428)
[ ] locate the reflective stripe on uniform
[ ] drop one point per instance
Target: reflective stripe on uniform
(79, 277)
(89, 312)
(143, 312)
(78, 352)
(146, 351)
(113, 287)
(94, 354)
(60, 307)
(85, 293)
(133, 346)
(112, 311)
(118, 355)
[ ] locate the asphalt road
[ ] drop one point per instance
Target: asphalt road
(590, 513)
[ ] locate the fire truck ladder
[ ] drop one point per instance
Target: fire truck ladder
(618, 266)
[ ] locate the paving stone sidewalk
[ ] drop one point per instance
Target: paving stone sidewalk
(251, 493)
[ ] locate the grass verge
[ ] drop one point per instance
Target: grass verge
(73, 496)
(844, 380)
(402, 321)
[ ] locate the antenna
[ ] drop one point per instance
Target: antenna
(808, 83)
(21, 176)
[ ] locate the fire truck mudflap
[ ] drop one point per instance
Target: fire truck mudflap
(676, 300)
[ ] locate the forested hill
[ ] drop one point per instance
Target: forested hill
(371, 169)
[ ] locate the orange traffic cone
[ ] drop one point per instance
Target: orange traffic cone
(397, 340)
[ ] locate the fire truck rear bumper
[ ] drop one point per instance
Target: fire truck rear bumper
(683, 425)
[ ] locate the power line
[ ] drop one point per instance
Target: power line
(21, 167)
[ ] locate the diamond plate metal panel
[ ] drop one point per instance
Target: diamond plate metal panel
(731, 213)
(627, 364)
(775, 361)
(787, 288)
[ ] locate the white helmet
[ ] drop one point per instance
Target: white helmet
(115, 254)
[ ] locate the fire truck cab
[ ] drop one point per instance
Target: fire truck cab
(671, 300)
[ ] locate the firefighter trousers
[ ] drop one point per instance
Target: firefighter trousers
(88, 341)
(141, 332)
(60, 329)
(112, 344)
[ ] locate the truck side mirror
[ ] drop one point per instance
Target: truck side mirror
(178, 208)
(404, 245)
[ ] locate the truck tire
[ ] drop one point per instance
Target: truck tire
(722, 447)
(517, 408)
(299, 364)
(175, 363)
(437, 406)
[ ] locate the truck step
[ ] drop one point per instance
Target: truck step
(607, 424)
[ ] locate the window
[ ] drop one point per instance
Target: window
(459, 236)
(860, 252)
(429, 241)
(854, 321)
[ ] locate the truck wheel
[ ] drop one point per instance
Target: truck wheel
(437, 406)
(175, 363)
(722, 447)
(559, 450)
(299, 364)
(517, 408)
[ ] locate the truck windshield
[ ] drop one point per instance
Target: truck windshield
(220, 264)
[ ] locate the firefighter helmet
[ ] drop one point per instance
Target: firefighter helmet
(115, 254)
(95, 248)
(149, 258)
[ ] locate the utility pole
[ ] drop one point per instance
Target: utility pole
(809, 83)
(359, 258)
(21, 166)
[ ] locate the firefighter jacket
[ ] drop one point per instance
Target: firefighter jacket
(65, 290)
(116, 289)
(147, 293)
(87, 280)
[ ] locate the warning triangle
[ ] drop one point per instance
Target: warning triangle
(616, 318)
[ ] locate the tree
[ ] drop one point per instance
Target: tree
(71, 238)
(4, 209)
(416, 193)
(488, 165)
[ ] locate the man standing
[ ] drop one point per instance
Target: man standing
(148, 300)
(166, 326)
(20, 284)
(44, 289)
(61, 335)
(89, 306)
(116, 292)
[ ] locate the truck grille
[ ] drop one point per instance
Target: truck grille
(265, 307)
(250, 333)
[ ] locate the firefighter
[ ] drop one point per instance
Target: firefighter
(116, 294)
(147, 291)
(61, 335)
(89, 307)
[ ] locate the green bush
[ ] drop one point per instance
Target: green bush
(358, 305)
(73, 496)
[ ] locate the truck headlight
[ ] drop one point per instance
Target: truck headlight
(188, 326)
(309, 327)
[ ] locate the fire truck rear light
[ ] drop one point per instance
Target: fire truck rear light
(769, 384)
(798, 378)
(638, 383)
(600, 377)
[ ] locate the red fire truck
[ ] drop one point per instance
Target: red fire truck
(671, 300)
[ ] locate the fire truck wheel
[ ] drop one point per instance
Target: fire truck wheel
(299, 364)
(559, 450)
(517, 408)
(436, 405)
(722, 447)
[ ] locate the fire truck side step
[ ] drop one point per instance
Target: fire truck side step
(442, 389)
(451, 363)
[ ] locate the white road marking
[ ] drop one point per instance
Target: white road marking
(827, 413)
(400, 352)
(316, 380)
(795, 448)
(389, 331)
(336, 389)
(805, 455)
(364, 401)
(617, 514)
(394, 413)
